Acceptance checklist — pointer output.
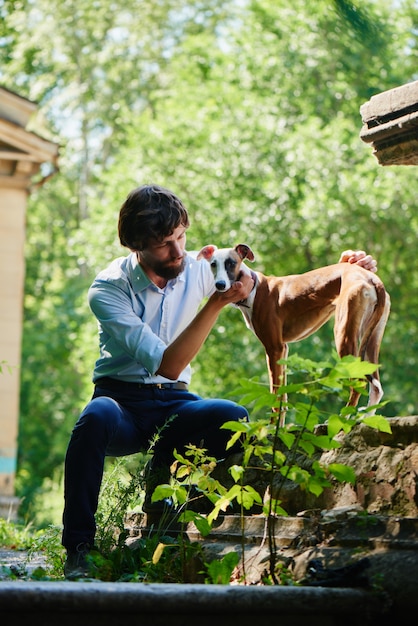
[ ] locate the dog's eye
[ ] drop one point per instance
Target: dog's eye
(230, 264)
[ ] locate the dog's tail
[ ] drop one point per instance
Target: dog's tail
(370, 341)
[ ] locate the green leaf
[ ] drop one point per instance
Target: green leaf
(240, 427)
(295, 473)
(248, 496)
(177, 491)
(354, 367)
(232, 440)
(316, 486)
(182, 472)
(287, 437)
(274, 505)
(161, 492)
(343, 473)
(335, 424)
(306, 446)
(379, 422)
(236, 472)
(198, 520)
(278, 458)
(220, 571)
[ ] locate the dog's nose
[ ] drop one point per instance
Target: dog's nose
(220, 285)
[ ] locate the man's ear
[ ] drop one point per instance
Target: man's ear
(206, 252)
(244, 251)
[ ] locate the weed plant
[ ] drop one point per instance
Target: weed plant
(279, 453)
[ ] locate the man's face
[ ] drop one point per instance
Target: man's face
(165, 258)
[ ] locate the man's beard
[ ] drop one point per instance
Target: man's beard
(167, 272)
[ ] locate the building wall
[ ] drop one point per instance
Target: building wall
(12, 237)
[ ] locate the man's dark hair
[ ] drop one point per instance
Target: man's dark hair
(150, 213)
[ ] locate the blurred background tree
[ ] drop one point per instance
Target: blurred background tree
(249, 111)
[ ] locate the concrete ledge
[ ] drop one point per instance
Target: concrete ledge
(390, 124)
(83, 603)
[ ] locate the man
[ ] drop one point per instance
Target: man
(151, 326)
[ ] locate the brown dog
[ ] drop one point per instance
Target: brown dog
(284, 309)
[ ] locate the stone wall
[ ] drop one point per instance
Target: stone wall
(385, 465)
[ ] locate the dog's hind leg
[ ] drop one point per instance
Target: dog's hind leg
(353, 319)
(362, 311)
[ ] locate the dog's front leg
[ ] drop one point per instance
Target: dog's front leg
(277, 377)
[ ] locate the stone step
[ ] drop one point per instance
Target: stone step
(111, 604)
(346, 527)
(340, 538)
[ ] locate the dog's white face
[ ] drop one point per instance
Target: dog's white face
(225, 263)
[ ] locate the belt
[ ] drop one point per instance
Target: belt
(112, 383)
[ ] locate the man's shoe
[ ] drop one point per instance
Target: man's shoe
(76, 564)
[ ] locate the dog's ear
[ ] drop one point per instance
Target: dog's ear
(206, 253)
(244, 251)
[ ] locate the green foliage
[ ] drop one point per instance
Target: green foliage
(121, 488)
(48, 543)
(220, 572)
(15, 536)
(31, 543)
(283, 574)
(280, 452)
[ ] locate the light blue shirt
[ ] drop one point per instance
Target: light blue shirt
(137, 320)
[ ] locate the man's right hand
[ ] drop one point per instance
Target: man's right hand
(240, 290)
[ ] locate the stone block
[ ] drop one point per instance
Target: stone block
(390, 125)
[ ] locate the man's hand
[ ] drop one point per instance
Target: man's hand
(241, 289)
(360, 258)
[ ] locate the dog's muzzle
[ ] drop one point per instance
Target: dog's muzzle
(220, 285)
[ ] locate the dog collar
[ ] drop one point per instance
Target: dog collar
(247, 303)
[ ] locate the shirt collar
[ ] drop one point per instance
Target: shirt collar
(139, 278)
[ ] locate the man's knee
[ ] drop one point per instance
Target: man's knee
(233, 412)
(99, 413)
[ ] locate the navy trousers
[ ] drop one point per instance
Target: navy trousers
(118, 423)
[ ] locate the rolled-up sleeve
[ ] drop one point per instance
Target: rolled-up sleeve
(124, 336)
